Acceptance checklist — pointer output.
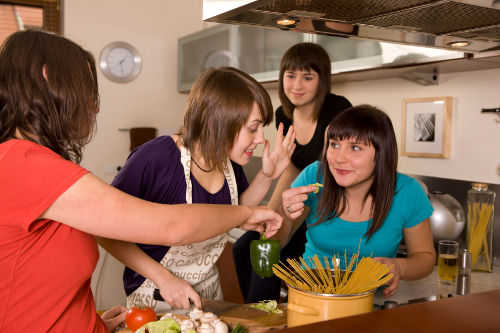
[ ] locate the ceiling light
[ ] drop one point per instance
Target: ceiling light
(459, 43)
(286, 21)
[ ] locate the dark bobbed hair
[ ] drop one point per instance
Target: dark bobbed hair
(59, 111)
(306, 56)
(369, 125)
(219, 104)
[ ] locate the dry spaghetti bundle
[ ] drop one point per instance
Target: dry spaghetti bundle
(479, 217)
(367, 275)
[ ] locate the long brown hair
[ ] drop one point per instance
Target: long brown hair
(369, 125)
(48, 92)
(219, 104)
(306, 56)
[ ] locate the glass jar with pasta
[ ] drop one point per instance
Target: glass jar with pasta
(480, 217)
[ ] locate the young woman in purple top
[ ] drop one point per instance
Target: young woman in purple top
(223, 125)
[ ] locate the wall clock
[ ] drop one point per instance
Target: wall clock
(120, 62)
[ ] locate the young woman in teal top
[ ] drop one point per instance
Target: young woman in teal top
(365, 205)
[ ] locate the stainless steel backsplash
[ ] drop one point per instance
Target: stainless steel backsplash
(458, 189)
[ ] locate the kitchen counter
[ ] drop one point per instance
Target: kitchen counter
(472, 313)
(476, 312)
(430, 286)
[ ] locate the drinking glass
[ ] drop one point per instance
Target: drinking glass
(448, 261)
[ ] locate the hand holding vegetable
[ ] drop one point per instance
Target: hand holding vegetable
(263, 220)
(264, 253)
(293, 199)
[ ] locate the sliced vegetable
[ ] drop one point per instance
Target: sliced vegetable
(264, 253)
(268, 306)
(167, 325)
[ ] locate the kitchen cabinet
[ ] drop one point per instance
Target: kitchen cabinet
(258, 52)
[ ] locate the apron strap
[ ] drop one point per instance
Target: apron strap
(228, 175)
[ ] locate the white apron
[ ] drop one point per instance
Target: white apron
(194, 263)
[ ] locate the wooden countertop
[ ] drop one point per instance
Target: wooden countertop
(472, 313)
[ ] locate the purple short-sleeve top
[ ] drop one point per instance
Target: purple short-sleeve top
(154, 172)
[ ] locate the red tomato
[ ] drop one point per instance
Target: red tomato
(136, 317)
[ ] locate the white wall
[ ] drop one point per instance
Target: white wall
(475, 153)
(153, 27)
(152, 99)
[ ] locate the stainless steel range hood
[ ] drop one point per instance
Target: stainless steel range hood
(430, 23)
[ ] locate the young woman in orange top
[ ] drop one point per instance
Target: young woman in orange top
(51, 208)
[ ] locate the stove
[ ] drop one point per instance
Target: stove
(390, 304)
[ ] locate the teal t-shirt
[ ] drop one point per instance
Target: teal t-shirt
(410, 207)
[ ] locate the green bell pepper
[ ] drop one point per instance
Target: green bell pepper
(264, 253)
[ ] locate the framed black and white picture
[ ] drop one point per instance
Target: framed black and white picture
(426, 127)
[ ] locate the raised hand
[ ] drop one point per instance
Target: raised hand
(275, 162)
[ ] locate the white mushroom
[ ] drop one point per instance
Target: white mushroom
(206, 328)
(208, 317)
(187, 324)
(195, 314)
(219, 326)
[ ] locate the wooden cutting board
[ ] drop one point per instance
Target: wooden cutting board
(254, 320)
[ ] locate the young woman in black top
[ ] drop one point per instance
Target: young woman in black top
(308, 105)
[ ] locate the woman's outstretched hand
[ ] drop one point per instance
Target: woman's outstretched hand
(292, 200)
(263, 220)
(275, 162)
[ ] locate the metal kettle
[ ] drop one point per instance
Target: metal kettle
(448, 218)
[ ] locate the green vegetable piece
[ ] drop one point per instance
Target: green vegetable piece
(168, 325)
(317, 185)
(264, 253)
(239, 329)
(270, 306)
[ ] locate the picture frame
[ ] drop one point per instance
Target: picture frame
(426, 127)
